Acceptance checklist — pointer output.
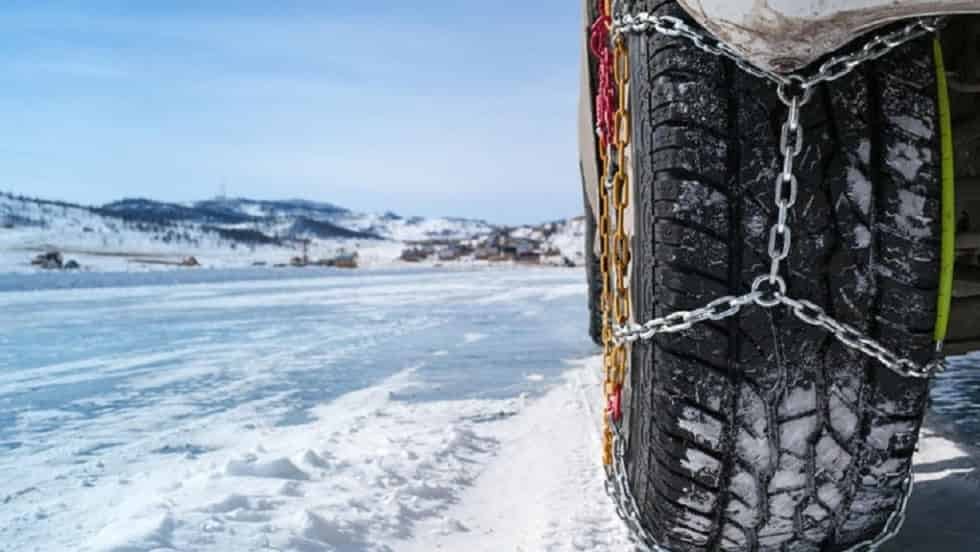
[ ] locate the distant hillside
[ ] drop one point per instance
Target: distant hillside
(229, 231)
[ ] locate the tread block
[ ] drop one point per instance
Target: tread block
(832, 459)
(791, 474)
(690, 422)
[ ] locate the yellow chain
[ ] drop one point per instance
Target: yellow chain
(615, 244)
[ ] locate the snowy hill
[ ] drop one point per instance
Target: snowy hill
(227, 232)
(567, 236)
(321, 220)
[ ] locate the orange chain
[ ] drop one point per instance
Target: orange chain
(613, 127)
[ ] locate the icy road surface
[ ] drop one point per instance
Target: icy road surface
(350, 412)
(347, 411)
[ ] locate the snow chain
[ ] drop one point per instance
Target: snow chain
(608, 45)
(613, 122)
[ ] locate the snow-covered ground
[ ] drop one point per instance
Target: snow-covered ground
(382, 411)
(342, 411)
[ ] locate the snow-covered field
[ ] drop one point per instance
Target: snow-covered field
(376, 411)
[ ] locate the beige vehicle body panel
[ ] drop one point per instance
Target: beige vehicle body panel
(785, 35)
(588, 162)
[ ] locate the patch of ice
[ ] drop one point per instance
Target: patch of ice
(862, 237)
(789, 478)
(911, 214)
(699, 463)
(830, 496)
(831, 457)
(800, 400)
(756, 225)
(796, 434)
(815, 512)
(701, 426)
(864, 151)
(859, 190)
(741, 514)
(937, 450)
(842, 419)
(698, 501)
(743, 485)
(753, 450)
(907, 159)
(523, 294)
(881, 436)
(914, 125)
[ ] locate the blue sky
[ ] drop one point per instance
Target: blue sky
(433, 107)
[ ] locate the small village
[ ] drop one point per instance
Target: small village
(500, 246)
(547, 244)
(497, 249)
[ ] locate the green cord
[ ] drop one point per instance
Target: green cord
(948, 252)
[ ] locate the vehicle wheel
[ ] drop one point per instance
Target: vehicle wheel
(592, 273)
(762, 433)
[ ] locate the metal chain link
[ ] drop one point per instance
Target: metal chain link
(613, 128)
(618, 487)
(832, 69)
(768, 290)
(794, 91)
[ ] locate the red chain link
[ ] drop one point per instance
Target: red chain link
(605, 120)
(614, 404)
(605, 99)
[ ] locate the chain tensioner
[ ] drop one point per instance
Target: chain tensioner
(768, 290)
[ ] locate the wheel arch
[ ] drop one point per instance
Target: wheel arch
(785, 35)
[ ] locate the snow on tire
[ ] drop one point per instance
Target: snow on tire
(761, 433)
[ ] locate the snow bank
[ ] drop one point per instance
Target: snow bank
(544, 489)
(363, 474)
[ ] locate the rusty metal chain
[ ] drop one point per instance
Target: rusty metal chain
(607, 115)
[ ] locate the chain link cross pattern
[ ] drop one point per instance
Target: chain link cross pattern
(767, 290)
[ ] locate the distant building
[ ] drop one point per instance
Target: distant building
(529, 257)
(345, 260)
(51, 260)
(486, 252)
(449, 253)
(414, 255)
